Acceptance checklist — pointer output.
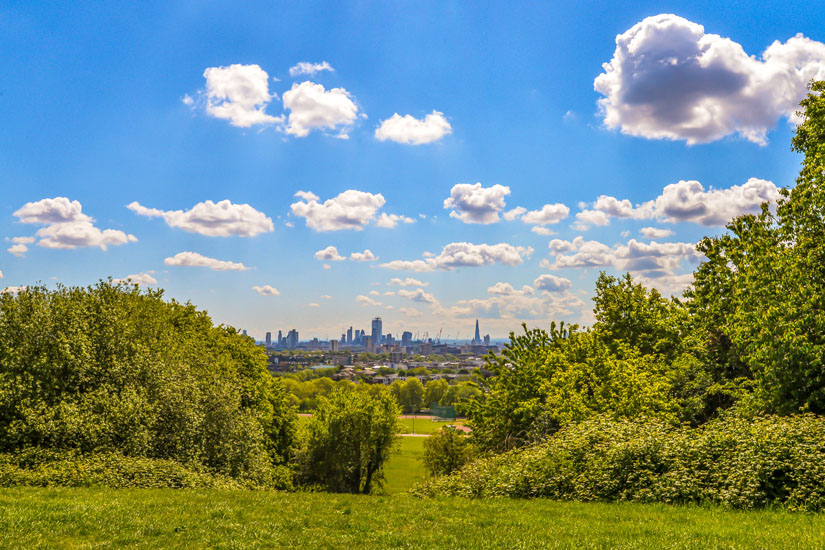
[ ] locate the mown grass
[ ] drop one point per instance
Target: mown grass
(184, 519)
(405, 467)
(424, 425)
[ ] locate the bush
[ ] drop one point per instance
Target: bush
(116, 371)
(734, 462)
(446, 451)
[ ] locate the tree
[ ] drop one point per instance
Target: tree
(349, 439)
(434, 390)
(411, 396)
(446, 451)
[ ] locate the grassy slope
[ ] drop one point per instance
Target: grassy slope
(178, 519)
(405, 469)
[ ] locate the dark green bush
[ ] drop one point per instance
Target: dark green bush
(446, 451)
(733, 462)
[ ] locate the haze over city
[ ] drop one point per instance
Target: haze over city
(307, 168)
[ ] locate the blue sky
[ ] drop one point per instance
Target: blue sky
(167, 106)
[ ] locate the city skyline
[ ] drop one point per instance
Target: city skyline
(428, 163)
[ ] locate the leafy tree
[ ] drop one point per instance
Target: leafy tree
(111, 368)
(446, 451)
(411, 396)
(434, 390)
(348, 440)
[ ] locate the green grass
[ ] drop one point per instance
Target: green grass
(425, 425)
(183, 519)
(405, 468)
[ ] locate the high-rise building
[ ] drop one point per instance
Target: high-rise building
(487, 340)
(406, 338)
(333, 345)
(376, 331)
(292, 339)
(280, 338)
(349, 335)
(268, 339)
(477, 337)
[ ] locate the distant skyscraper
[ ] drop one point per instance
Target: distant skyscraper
(349, 335)
(268, 339)
(406, 338)
(477, 337)
(333, 345)
(376, 331)
(292, 339)
(280, 338)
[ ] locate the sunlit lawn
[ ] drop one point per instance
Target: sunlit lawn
(172, 519)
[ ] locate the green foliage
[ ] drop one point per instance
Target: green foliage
(348, 440)
(446, 451)
(110, 369)
(434, 390)
(410, 395)
(734, 462)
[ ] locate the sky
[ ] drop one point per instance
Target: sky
(312, 165)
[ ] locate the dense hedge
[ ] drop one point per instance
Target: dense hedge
(42, 468)
(734, 462)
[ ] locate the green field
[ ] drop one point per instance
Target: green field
(424, 425)
(185, 519)
(404, 467)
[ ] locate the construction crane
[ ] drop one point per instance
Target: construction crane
(439, 335)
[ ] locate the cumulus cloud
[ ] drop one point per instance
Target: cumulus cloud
(418, 295)
(505, 302)
(307, 195)
(455, 255)
(239, 94)
(412, 131)
(551, 283)
(511, 215)
(144, 279)
(587, 218)
(311, 107)
(349, 210)
(541, 230)
(365, 256)
(472, 203)
(506, 289)
(391, 220)
(547, 215)
(212, 219)
(329, 254)
(649, 259)
(366, 301)
(266, 290)
(688, 201)
(655, 232)
(193, 259)
(409, 281)
(66, 226)
(305, 67)
(668, 79)
(18, 249)
(409, 312)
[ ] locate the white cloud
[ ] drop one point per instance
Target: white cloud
(366, 301)
(551, 283)
(418, 295)
(668, 79)
(587, 218)
(389, 293)
(193, 259)
(18, 250)
(541, 230)
(688, 201)
(349, 210)
(311, 107)
(212, 219)
(239, 94)
(506, 302)
(365, 256)
(374, 293)
(326, 296)
(326, 266)
(655, 232)
(266, 290)
(144, 278)
(409, 281)
(391, 220)
(462, 254)
(329, 254)
(21, 240)
(506, 289)
(412, 131)
(313, 304)
(549, 214)
(66, 226)
(649, 259)
(472, 203)
(409, 312)
(511, 215)
(307, 195)
(305, 67)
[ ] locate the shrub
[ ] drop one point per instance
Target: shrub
(734, 462)
(446, 451)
